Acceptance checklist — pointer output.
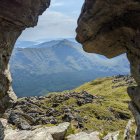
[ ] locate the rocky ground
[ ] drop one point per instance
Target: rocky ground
(85, 110)
(29, 112)
(122, 80)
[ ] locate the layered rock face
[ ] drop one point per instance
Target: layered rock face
(111, 28)
(8, 36)
(13, 20)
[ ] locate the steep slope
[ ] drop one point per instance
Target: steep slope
(100, 105)
(59, 65)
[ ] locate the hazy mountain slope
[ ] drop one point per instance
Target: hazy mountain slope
(24, 44)
(59, 65)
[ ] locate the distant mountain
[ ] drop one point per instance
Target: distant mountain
(25, 44)
(59, 65)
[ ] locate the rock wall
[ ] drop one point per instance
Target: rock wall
(111, 28)
(15, 16)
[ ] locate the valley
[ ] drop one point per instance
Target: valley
(58, 65)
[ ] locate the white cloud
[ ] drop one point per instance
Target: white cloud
(59, 21)
(55, 3)
(51, 24)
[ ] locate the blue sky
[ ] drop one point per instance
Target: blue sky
(59, 21)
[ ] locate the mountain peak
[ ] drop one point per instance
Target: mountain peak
(65, 42)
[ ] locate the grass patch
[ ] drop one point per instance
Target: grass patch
(109, 113)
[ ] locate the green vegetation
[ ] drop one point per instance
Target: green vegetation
(100, 105)
(108, 113)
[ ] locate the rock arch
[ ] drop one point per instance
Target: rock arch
(108, 27)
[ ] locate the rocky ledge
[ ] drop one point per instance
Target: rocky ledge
(7, 132)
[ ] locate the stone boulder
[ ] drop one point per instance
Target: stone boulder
(58, 132)
(18, 120)
(84, 136)
(40, 133)
(111, 136)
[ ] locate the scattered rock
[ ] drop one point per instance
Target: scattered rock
(81, 102)
(121, 80)
(17, 119)
(30, 111)
(53, 121)
(67, 117)
(55, 104)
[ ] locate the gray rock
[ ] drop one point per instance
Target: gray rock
(112, 136)
(136, 114)
(58, 132)
(134, 93)
(53, 121)
(68, 117)
(3, 124)
(81, 102)
(84, 136)
(127, 134)
(17, 119)
(38, 134)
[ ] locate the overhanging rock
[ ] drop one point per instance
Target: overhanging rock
(15, 16)
(111, 28)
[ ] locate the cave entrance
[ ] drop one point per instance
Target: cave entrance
(34, 62)
(47, 58)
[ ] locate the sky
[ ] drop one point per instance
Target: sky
(58, 21)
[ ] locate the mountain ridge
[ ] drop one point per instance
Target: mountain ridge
(63, 61)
